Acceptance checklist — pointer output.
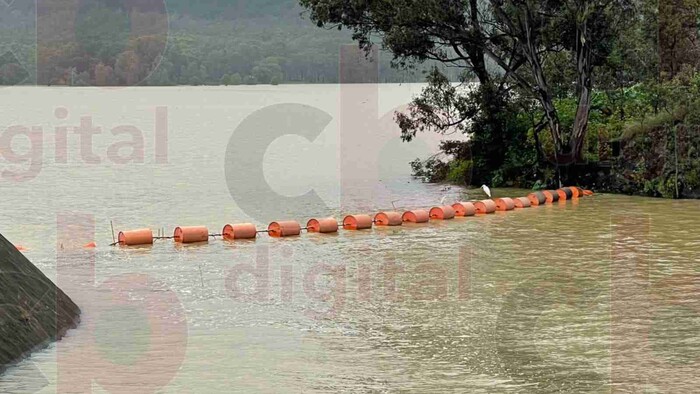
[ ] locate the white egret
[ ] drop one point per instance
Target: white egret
(486, 190)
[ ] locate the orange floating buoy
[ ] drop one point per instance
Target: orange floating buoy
(417, 216)
(20, 248)
(565, 193)
(485, 206)
(357, 222)
(551, 196)
(239, 231)
(136, 237)
(505, 204)
(522, 202)
(442, 213)
(193, 234)
(576, 192)
(388, 219)
(327, 225)
(90, 245)
(464, 209)
(555, 195)
(537, 198)
(587, 192)
(287, 228)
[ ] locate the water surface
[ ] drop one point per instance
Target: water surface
(592, 295)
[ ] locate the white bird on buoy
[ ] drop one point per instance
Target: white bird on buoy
(486, 190)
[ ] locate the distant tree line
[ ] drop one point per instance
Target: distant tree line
(195, 43)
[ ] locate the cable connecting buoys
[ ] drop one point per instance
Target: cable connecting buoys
(537, 198)
(565, 193)
(190, 235)
(416, 216)
(196, 234)
(357, 222)
(388, 219)
(463, 209)
(485, 206)
(327, 225)
(287, 228)
(445, 212)
(136, 237)
(522, 202)
(505, 204)
(239, 231)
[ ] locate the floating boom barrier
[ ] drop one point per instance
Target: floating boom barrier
(355, 222)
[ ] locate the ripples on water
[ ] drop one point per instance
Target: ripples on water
(593, 295)
(519, 302)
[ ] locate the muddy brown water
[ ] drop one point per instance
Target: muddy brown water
(595, 295)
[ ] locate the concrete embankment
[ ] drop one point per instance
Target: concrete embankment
(33, 310)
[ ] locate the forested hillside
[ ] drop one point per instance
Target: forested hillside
(208, 42)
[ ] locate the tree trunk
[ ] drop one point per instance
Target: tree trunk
(679, 44)
(584, 88)
(531, 53)
(476, 53)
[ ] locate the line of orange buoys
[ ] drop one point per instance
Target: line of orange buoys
(199, 234)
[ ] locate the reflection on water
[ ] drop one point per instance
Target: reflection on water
(580, 296)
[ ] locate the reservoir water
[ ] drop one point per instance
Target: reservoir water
(597, 295)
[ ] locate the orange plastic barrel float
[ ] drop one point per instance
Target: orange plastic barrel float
(485, 206)
(20, 248)
(388, 219)
(357, 222)
(522, 202)
(576, 192)
(464, 209)
(555, 195)
(537, 198)
(90, 245)
(565, 193)
(239, 231)
(193, 234)
(505, 204)
(445, 212)
(287, 228)
(136, 237)
(417, 216)
(327, 225)
(587, 192)
(551, 196)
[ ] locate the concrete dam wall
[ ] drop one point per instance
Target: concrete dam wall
(33, 310)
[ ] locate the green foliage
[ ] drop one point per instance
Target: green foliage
(206, 41)
(431, 170)
(460, 171)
